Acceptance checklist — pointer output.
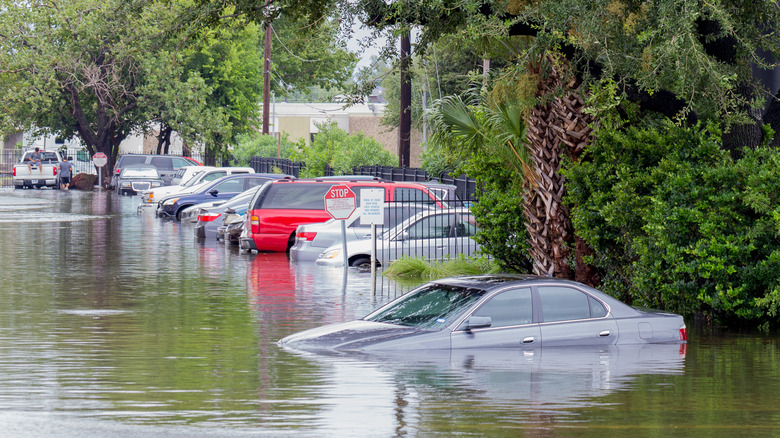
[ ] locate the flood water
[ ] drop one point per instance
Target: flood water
(115, 323)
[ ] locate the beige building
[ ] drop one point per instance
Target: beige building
(300, 120)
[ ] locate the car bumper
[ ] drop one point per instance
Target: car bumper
(308, 253)
(247, 244)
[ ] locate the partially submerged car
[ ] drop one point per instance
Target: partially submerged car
(312, 239)
(210, 218)
(496, 311)
(434, 234)
(136, 178)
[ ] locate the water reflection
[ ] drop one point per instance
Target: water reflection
(118, 323)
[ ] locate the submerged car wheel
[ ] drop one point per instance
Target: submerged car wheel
(360, 262)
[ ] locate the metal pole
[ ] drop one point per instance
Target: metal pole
(344, 243)
(373, 258)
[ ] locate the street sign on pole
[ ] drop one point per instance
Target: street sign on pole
(340, 202)
(99, 160)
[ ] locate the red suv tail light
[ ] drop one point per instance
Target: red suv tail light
(208, 217)
(55, 170)
(306, 235)
(684, 334)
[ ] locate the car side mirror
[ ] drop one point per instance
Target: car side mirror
(214, 192)
(477, 322)
(229, 211)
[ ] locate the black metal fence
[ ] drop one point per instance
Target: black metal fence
(466, 187)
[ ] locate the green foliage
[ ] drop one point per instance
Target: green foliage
(415, 267)
(676, 223)
(333, 146)
(258, 145)
(486, 142)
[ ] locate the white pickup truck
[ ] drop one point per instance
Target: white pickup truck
(44, 174)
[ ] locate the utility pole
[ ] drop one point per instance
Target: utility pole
(267, 70)
(405, 129)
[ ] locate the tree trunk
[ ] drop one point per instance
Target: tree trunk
(555, 128)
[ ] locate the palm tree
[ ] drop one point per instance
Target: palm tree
(533, 139)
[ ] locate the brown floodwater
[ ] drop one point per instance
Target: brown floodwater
(114, 322)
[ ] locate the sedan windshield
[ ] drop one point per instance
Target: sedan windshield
(429, 307)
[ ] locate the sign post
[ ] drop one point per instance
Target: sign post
(340, 203)
(99, 160)
(373, 203)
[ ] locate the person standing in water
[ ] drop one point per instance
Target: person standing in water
(65, 173)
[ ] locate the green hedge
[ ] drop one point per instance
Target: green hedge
(678, 224)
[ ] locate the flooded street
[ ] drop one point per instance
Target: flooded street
(117, 323)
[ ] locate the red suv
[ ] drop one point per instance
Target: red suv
(274, 214)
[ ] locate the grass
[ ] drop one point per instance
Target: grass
(415, 267)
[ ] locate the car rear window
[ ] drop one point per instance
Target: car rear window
(296, 196)
(133, 159)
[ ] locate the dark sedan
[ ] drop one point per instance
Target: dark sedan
(223, 188)
(496, 311)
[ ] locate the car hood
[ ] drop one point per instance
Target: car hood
(348, 336)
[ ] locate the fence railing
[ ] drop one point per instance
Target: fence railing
(466, 187)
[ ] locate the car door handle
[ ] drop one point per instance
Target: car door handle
(605, 333)
(528, 340)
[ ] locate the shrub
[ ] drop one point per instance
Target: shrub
(676, 223)
(258, 145)
(333, 147)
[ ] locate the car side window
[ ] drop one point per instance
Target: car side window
(231, 186)
(405, 194)
(178, 163)
(162, 163)
(509, 308)
(214, 175)
(467, 226)
(254, 182)
(563, 304)
(436, 226)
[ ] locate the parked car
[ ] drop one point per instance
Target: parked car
(211, 217)
(312, 239)
(233, 230)
(496, 311)
(433, 235)
(136, 178)
(198, 175)
(220, 189)
(275, 214)
(167, 165)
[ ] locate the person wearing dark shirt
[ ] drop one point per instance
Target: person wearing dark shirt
(65, 173)
(35, 158)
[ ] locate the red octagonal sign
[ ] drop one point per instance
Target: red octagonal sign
(340, 202)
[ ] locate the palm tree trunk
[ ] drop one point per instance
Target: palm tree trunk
(556, 127)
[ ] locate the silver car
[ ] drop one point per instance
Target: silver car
(435, 234)
(496, 311)
(312, 239)
(210, 217)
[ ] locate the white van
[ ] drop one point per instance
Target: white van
(200, 175)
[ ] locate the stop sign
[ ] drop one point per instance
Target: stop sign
(99, 159)
(340, 202)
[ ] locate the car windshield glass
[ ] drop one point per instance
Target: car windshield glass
(429, 307)
(130, 172)
(194, 179)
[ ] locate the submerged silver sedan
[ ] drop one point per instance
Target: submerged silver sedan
(496, 311)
